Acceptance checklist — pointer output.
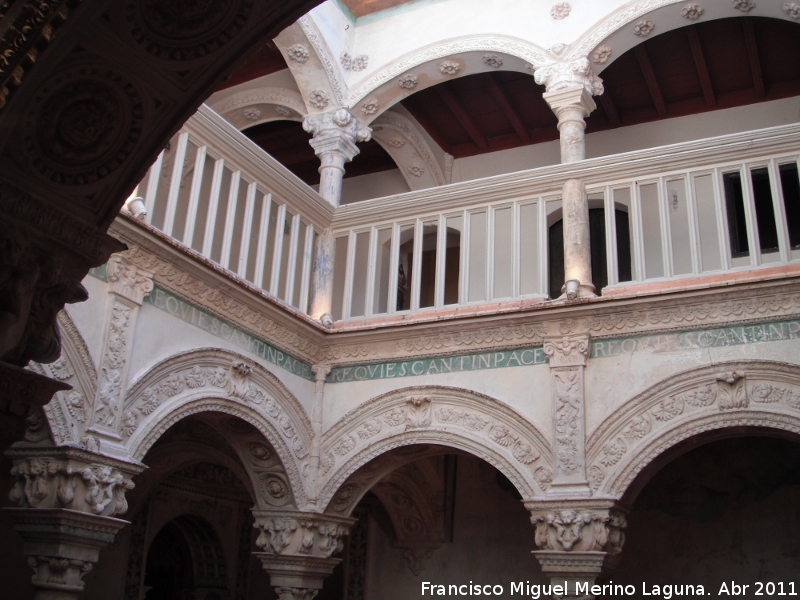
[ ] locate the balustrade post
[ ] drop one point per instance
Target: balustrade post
(335, 136)
(570, 87)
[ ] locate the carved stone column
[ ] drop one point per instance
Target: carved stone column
(570, 87)
(44, 256)
(579, 542)
(67, 500)
(129, 285)
(298, 549)
(321, 373)
(335, 135)
(567, 361)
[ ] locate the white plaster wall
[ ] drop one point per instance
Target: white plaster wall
(90, 317)
(513, 386)
(159, 336)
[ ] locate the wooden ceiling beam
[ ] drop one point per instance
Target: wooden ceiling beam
(607, 102)
(429, 127)
(700, 65)
(651, 80)
(509, 111)
(466, 121)
(752, 56)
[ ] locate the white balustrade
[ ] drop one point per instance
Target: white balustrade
(222, 196)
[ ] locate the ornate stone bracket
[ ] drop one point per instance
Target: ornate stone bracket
(129, 285)
(298, 549)
(578, 541)
(567, 361)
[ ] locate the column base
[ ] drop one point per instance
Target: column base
(305, 573)
(574, 290)
(576, 572)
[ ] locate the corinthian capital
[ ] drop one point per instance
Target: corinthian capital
(128, 280)
(567, 351)
(578, 526)
(288, 533)
(569, 75)
(336, 132)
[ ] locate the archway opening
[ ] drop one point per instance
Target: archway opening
(422, 511)
(728, 510)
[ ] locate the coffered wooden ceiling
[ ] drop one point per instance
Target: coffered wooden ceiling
(361, 8)
(703, 67)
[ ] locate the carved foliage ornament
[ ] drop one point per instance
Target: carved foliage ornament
(601, 55)
(359, 63)
(580, 530)
(449, 67)
(564, 75)
(492, 60)
(318, 98)
(692, 12)
(744, 5)
(82, 125)
(792, 9)
(370, 107)
(415, 169)
(180, 30)
(298, 53)
(408, 81)
(298, 534)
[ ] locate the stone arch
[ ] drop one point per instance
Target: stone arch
(616, 30)
(408, 148)
(215, 380)
(713, 398)
(429, 65)
(254, 107)
(436, 415)
(69, 411)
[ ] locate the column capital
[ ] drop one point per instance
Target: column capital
(567, 350)
(567, 75)
(321, 372)
(576, 526)
(336, 132)
(70, 478)
(570, 103)
(128, 280)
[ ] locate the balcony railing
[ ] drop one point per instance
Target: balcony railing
(218, 193)
(699, 208)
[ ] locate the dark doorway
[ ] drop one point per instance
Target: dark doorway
(168, 573)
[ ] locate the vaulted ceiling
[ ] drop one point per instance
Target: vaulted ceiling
(703, 67)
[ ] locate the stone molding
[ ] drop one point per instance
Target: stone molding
(761, 394)
(432, 414)
(325, 57)
(578, 526)
(267, 100)
(54, 478)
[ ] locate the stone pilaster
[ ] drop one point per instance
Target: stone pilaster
(567, 357)
(67, 500)
(335, 136)
(321, 373)
(579, 542)
(129, 285)
(298, 549)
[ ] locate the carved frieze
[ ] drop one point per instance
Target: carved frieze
(295, 533)
(567, 74)
(578, 527)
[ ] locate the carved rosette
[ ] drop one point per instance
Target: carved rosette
(50, 478)
(567, 357)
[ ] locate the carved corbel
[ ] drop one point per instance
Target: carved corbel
(298, 548)
(567, 357)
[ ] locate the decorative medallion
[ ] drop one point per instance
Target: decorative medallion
(360, 62)
(408, 82)
(251, 114)
(560, 11)
(298, 53)
(792, 9)
(180, 30)
(370, 107)
(318, 98)
(449, 67)
(415, 169)
(82, 125)
(644, 28)
(692, 12)
(396, 142)
(283, 111)
(492, 60)
(601, 55)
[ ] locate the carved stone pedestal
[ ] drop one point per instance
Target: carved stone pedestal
(298, 549)
(579, 542)
(62, 546)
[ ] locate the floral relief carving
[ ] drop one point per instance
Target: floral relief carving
(283, 111)
(345, 445)
(492, 60)
(601, 55)
(449, 67)
(579, 530)
(318, 98)
(298, 53)
(744, 5)
(396, 142)
(596, 476)
(109, 385)
(569, 407)
(644, 28)
(692, 12)
(408, 81)
(544, 477)
(369, 429)
(638, 427)
(564, 75)
(327, 463)
(275, 491)
(304, 534)
(370, 107)
(732, 391)
(415, 169)
(792, 9)
(464, 419)
(359, 63)
(418, 415)
(613, 452)
(560, 11)
(61, 369)
(251, 114)
(668, 409)
(75, 405)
